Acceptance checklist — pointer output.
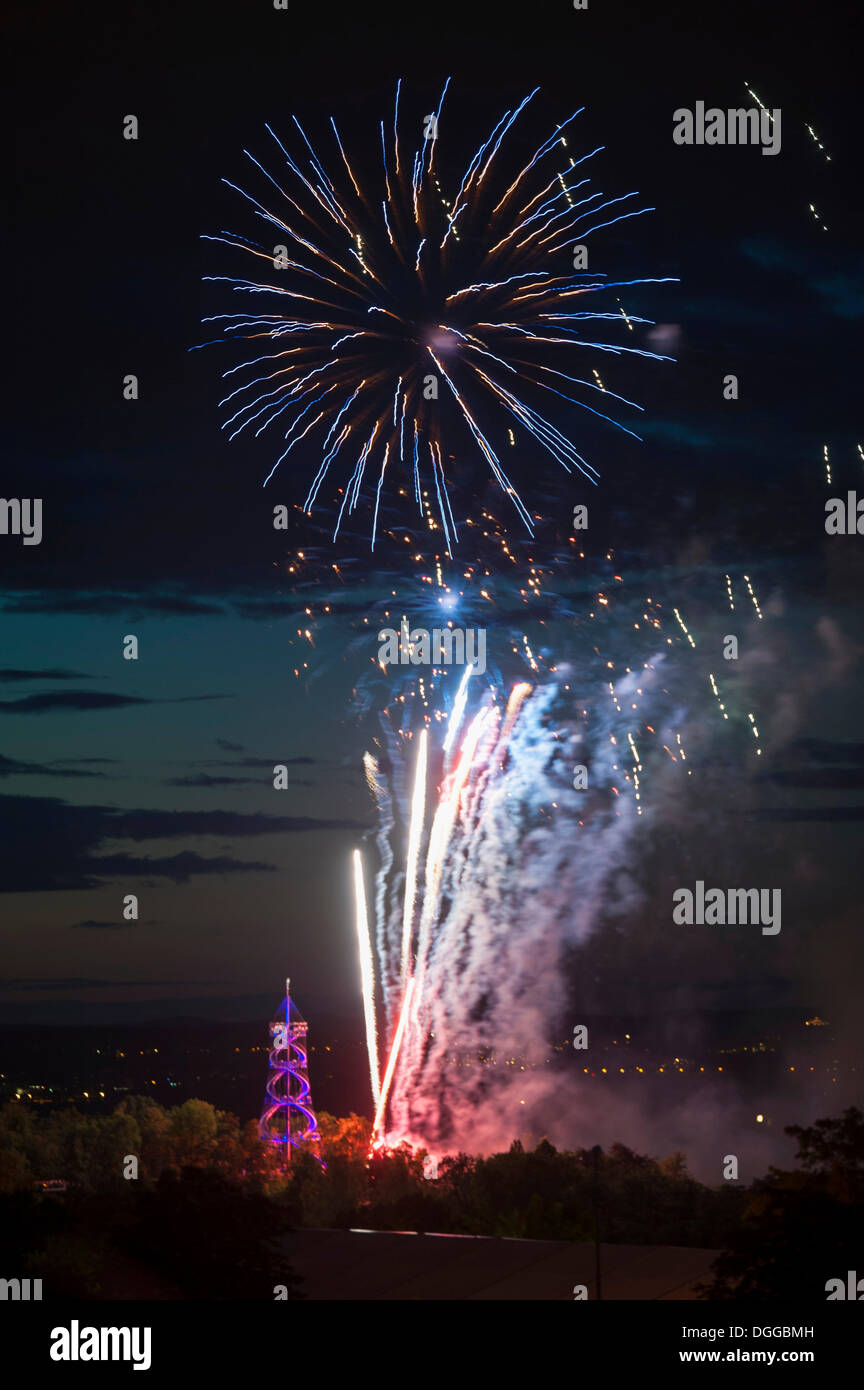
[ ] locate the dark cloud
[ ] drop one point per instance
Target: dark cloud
(52, 845)
(678, 432)
(841, 288)
(264, 762)
(54, 673)
(105, 603)
(81, 700)
(228, 747)
(12, 767)
(203, 779)
(827, 751)
(70, 983)
(267, 608)
(838, 778)
(818, 764)
(91, 924)
(815, 813)
(192, 699)
(105, 926)
(69, 700)
(157, 825)
(57, 762)
(267, 765)
(179, 868)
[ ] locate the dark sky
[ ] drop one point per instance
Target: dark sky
(153, 777)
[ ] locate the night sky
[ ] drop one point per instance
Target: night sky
(155, 777)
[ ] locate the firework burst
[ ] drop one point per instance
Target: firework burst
(382, 293)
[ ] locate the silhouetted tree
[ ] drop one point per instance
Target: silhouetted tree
(800, 1228)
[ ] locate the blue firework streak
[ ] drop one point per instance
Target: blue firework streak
(379, 301)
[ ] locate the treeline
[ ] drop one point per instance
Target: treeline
(543, 1194)
(540, 1194)
(177, 1203)
(187, 1202)
(90, 1152)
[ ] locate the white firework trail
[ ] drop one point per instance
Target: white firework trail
(367, 974)
(458, 709)
(418, 808)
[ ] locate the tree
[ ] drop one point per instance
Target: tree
(834, 1151)
(211, 1238)
(800, 1227)
(154, 1128)
(192, 1130)
(15, 1173)
(349, 1137)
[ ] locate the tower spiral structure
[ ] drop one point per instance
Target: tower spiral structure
(287, 1116)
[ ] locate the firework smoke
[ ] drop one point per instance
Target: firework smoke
(520, 881)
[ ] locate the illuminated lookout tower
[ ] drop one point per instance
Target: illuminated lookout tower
(287, 1117)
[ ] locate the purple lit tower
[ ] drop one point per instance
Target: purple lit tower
(287, 1117)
